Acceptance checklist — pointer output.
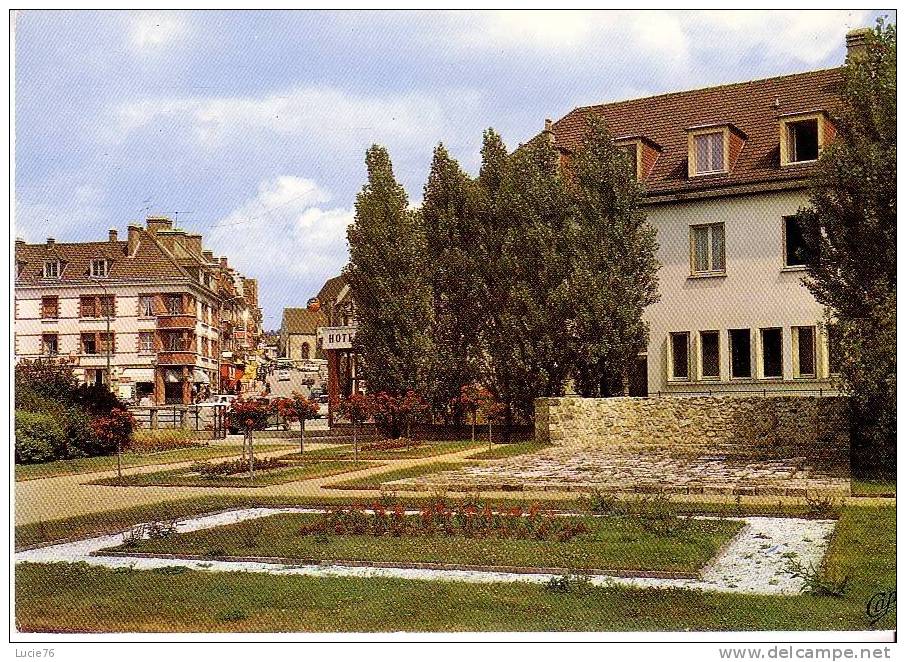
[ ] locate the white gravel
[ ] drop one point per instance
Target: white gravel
(755, 561)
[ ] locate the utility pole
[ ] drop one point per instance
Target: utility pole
(107, 343)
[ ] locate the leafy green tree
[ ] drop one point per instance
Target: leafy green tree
(388, 275)
(448, 226)
(521, 265)
(613, 265)
(850, 230)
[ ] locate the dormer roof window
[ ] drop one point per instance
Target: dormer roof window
(641, 153)
(803, 136)
(713, 148)
(100, 268)
(52, 269)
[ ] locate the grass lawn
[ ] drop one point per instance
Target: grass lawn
(118, 520)
(874, 487)
(611, 543)
(374, 481)
(500, 451)
(108, 462)
(83, 598)
(347, 452)
(183, 477)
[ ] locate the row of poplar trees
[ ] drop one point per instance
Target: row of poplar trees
(521, 279)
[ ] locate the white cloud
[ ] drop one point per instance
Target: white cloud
(285, 235)
(331, 117)
(153, 31)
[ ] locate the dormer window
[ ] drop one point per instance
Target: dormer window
(100, 268)
(713, 148)
(802, 137)
(641, 154)
(52, 269)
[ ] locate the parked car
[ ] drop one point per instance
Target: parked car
(283, 375)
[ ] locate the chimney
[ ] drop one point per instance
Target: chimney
(549, 130)
(193, 243)
(111, 234)
(857, 42)
(208, 255)
(157, 223)
(20, 241)
(223, 263)
(51, 241)
(132, 237)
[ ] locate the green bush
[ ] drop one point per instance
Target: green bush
(39, 438)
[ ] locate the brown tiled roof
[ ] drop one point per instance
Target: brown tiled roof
(302, 321)
(149, 263)
(331, 289)
(754, 107)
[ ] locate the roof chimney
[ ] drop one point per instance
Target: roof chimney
(51, 241)
(193, 243)
(157, 223)
(857, 42)
(111, 233)
(208, 255)
(132, 238)
(223, 262)
(549, 130)
(20, 241)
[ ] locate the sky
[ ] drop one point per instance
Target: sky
(253, 126)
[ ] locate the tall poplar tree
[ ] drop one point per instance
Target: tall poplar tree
(387, 273)
(614, 269)
(851, 233)
(448, 226)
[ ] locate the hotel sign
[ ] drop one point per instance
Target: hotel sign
(337, 337)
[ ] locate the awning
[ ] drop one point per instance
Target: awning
(200, 377)
(173, 375)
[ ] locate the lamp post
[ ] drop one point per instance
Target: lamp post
(119, 449)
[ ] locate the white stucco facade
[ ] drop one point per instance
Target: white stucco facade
(756, 291)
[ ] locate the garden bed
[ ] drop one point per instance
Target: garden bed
(386, 450)
(597, 544)
(187, 477)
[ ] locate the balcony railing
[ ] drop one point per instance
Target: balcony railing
(176, 357)
(175, 322)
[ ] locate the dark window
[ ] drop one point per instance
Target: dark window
(146, 306)
(174, 304)
(710, 350)
(89, 344)
(50, 307)
(740, 353)
(805, 351)
(833, 349)
(88, 307)
(772, 352)
(679, 354)
(796, 252)
(108, 306)
(802, 144)
(107, 343)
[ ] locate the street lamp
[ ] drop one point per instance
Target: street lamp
(107, 343)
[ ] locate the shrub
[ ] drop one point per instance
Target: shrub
(112, 431)
(155, 441)
(39, 438)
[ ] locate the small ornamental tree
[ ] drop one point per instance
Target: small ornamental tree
(248, 416)
(412, 408)
(114, 431)
(357, 408)
(492, 410)
(470, 398)
(386, 412)
(299, 408)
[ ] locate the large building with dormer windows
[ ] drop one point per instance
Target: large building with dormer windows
(725, 170)
(156, 316)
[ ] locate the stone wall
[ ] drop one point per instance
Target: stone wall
(731, 427)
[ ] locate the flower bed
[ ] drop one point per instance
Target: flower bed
(234, 467)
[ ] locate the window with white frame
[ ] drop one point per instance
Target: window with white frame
(146, 306)
(679, 356)
(772, 353)
(708, 248)
(708, 153)
(99, 268)
(804, 351)
(52, 269)
(740, 353)
(709, 354)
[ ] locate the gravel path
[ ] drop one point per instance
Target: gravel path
(755, 561)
